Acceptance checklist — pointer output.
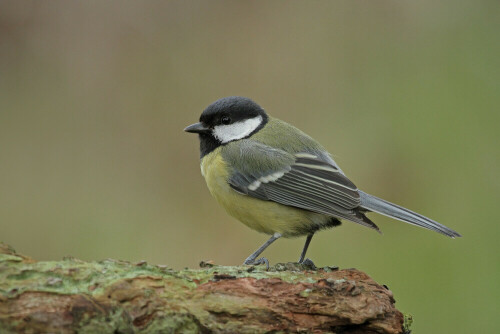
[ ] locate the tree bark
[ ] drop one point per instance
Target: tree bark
(111, 296)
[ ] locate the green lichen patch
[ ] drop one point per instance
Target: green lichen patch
(8, 257)
(408, 321)
(70, 276)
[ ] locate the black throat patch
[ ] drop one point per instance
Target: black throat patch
(207, 144)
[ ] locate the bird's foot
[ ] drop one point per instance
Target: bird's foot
(254, 262)
(308, 263)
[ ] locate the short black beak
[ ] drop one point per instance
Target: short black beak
(197, 128)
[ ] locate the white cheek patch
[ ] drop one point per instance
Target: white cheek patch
(238, 130)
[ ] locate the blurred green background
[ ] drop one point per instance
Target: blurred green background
(94, 96)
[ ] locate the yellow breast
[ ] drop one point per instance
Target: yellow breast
(263, 216)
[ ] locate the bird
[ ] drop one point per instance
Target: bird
(278, 180)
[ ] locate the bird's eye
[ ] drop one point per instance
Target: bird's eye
(225, 120)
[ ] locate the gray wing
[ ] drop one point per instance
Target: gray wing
(306, 180)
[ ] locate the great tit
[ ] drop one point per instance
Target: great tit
(279, 181)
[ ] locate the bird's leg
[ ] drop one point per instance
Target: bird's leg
(306, 246)
(263, 260)
(304, 251)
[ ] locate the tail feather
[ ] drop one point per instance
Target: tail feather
(388, 209)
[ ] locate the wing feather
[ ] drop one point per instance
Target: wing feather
(304, 180)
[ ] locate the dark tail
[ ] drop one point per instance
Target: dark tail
(388, 209)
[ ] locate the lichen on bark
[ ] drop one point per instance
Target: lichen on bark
(112, 296)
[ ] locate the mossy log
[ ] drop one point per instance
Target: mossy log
(111, 296)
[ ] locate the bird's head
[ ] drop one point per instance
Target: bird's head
(226, 120)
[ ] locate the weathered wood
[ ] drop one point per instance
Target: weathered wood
(113, 296)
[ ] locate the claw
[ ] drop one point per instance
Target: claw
(262, 260)
(308, 263)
